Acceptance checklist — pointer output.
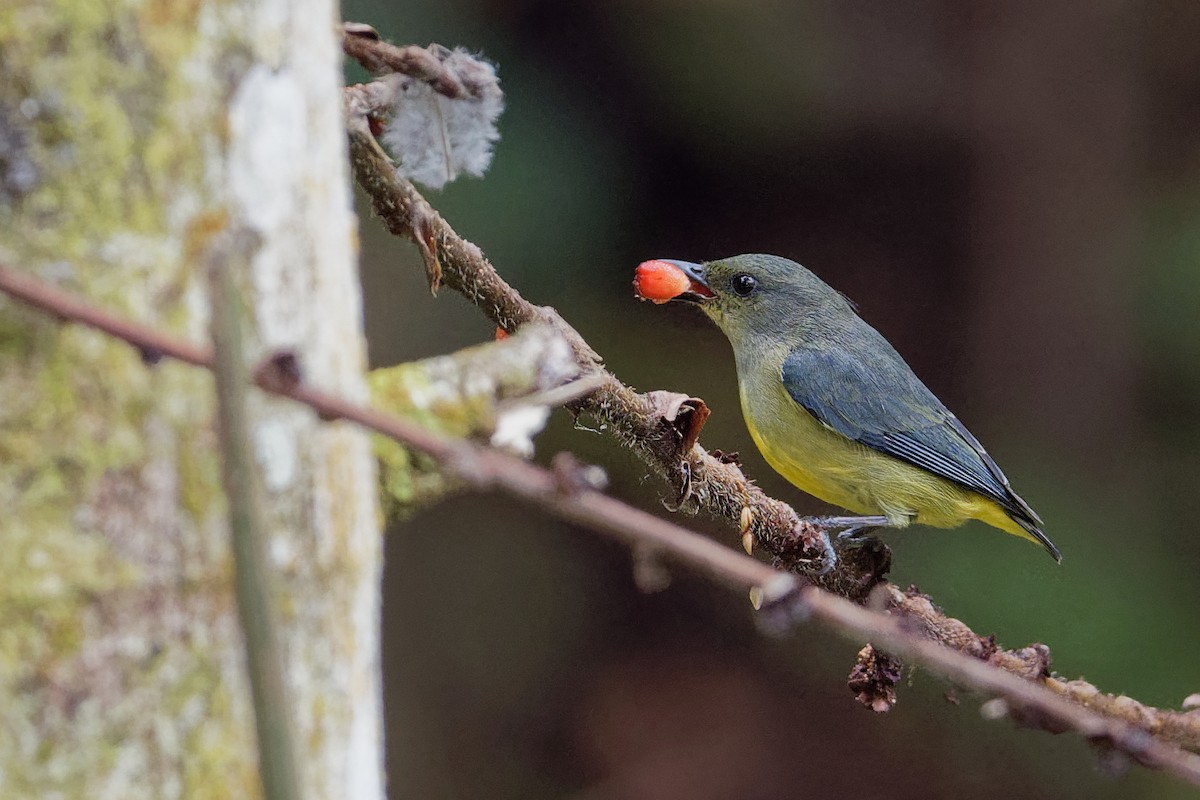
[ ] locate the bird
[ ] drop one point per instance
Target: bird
(835, 409)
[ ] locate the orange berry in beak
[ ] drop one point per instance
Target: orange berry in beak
(658, 281)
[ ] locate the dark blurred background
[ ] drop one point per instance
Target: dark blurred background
(1011, 193)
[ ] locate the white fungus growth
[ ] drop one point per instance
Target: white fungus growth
(435, 138)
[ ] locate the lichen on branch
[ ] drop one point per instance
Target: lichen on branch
(476, 393)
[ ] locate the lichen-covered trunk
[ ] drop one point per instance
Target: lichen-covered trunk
(133, 137)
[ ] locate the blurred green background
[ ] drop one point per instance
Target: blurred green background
(1010, 193)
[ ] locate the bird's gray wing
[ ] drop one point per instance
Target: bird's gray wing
(872, 397)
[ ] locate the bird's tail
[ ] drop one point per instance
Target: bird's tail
(1035, 533)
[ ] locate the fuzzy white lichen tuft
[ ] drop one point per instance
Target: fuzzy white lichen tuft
(516, 427)
(435, 138)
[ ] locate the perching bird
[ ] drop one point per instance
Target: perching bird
(835, 409)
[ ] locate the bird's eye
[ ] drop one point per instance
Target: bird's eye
(743, 285)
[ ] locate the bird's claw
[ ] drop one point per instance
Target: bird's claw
(831, 557)
(854, 536)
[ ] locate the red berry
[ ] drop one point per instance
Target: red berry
(659, 281)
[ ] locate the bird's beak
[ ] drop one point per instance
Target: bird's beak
(698, 291)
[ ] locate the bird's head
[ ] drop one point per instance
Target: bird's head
(757, 298)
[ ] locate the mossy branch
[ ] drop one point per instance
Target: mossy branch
(476, 393)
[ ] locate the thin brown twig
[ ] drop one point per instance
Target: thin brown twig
(1023, 700)
(564, 492)
(152, 344)
(362, 43)
(1180, 728)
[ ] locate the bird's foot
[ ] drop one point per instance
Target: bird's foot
(850, 531)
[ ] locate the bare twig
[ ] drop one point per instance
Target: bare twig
(1025, 701)
(565, 493)
(152, 344)
(252, 573)
(1181, 728)
(362, 43)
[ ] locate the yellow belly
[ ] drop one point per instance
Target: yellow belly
(827, 465)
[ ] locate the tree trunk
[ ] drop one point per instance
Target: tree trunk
(132, 137)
